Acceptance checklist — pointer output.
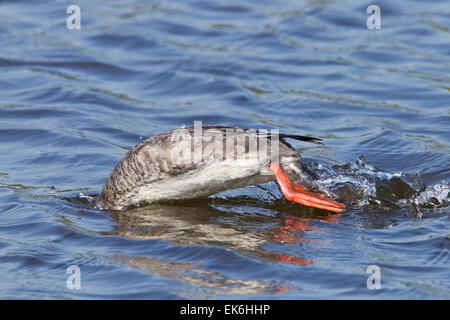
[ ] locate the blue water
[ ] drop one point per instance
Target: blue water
(72, 102)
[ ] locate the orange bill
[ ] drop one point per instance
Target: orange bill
(298, 193)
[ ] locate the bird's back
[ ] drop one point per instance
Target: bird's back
(185, 163)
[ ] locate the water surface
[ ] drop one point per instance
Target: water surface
(72, 102)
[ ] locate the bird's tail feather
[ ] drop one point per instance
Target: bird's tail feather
(290, 136)
(301, 138)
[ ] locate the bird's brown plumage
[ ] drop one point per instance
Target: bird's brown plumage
(146, 170)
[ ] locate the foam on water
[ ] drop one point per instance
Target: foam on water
(360, 183)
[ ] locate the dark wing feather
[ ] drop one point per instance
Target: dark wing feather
(259, 133)
(301, 138)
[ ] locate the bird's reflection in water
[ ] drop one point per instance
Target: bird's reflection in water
(289, 233)
(211, 282)
(207, 223)
(187, 224)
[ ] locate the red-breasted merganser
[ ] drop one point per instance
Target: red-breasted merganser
(197, 162)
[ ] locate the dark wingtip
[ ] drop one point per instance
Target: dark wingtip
(302, 138)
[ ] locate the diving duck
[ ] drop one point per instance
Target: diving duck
(199, 161)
